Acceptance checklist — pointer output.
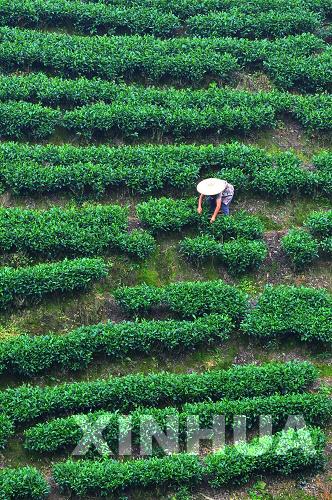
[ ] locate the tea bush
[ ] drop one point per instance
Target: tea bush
(326, 246)
(100, 18)
(320, 224)
(236, 177)
(89, 18)
(303, 450)
(22, 483)
(239, 256)
(300, 247)
(230, 155)
(187, 8)
(200, 248)
(6, 430)
(27, 403)
(304, 247)
(27, 168)
(161, 167)
(281, 181)
(167, 214)
(20, 119)
(138, 243)
(22, 285)
(241, 224)
(31, 178)
(42, 168)
(27, 355)
(62, 433)
(314, 113)
(271, 24)
(315, 409)
(108, 57)
(323, 161)
(60, 86)
(136, 118)
(187, 59)
(323, 180)
(189, 299)
(132, 109)
(71, 231)
(281, 311)
(186, 299)
(306, 74)
(54, 91)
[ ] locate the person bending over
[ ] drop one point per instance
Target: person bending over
(219, 194)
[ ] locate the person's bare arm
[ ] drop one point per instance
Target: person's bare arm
(200, 201)
(217, 210)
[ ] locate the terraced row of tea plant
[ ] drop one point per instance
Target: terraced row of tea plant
(131, 325)
(258, 385)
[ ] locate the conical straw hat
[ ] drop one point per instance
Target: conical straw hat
(211, 187)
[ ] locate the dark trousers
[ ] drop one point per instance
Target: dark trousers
(212, 203)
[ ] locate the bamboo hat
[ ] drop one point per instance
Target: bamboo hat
(211, 187)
